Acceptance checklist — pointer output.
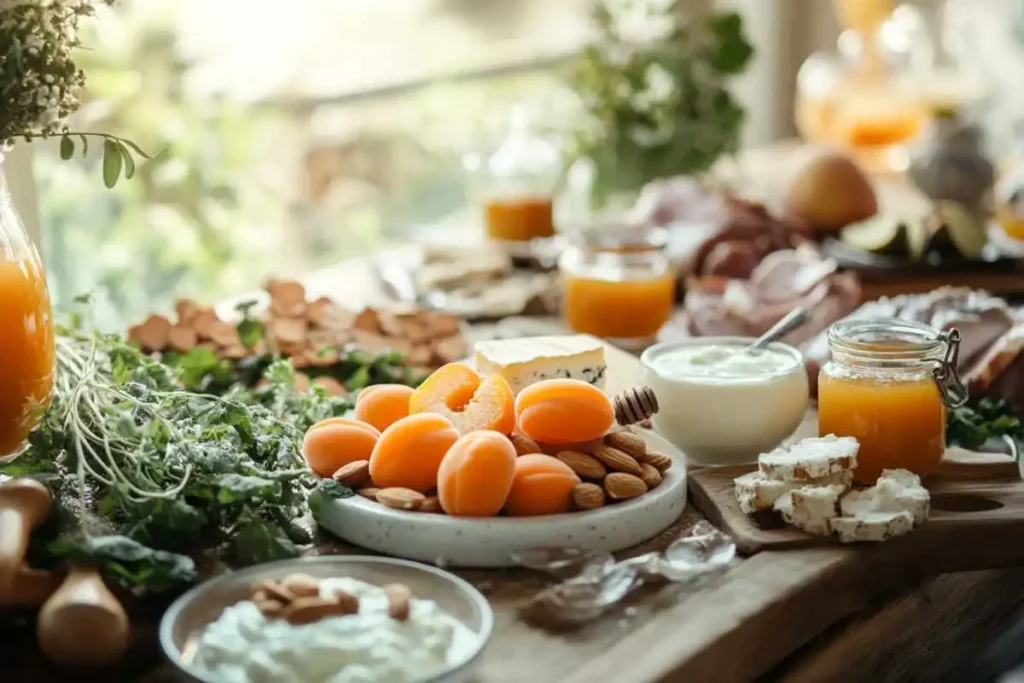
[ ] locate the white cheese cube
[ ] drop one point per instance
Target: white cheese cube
(532, 359)
(755, 491)
(811, 508)
(810, 458)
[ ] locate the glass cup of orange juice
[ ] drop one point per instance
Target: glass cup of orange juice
(618, 284)
(888, 384)
(26, 323)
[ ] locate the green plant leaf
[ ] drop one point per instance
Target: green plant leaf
(112, 161)
(138, 150)
(129, 161)
(67, 147)
(125, 561)
(260, 542)
(235, 488)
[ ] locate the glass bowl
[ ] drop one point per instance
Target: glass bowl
(196, 609)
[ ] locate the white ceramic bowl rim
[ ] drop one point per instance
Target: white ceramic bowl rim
(167, 622)
(651, 352)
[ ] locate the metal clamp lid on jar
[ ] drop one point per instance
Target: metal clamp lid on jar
(951, 387)
(847, 337)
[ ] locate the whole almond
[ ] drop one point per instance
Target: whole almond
(349, 602)
(369, 492)
(308, 610)
(431, 504)
(588, 496)
(617, 460)
(523, 444)
(660, 461)
(628, 443)
(651, 476)
(269, 608)
(399, 601)
(585, 466)
(399, 498)
(301, 585)
(272, 590)
(354, 474)
(622, 486)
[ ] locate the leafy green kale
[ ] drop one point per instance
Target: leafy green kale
(147, 474)
(971, 426)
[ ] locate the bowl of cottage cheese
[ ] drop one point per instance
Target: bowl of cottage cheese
(344, 629)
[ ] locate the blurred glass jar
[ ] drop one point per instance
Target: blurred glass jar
(1009, 201)
(617, 283)
(858, 98)
(518, 187)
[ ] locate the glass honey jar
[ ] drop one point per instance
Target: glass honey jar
(618, 283)
(521, 176)
(888, 384)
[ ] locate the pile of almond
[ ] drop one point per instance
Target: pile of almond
(296, 598)
(311, 333)
(356, 475)
(619, 469)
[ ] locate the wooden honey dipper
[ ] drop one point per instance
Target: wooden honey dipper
(24, 505)
(634, 405)
(83, 624)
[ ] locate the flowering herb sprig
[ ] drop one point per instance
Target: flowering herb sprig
(41, 86)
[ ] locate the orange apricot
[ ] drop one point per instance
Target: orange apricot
(542, 485)
(471, 403)
(332, 443)
(409, 452)
(563, 411)
(382, 405)
(476, 474)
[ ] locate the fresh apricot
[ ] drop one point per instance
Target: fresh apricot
(409, 452)
(382, 405)
(471, 403)
(542, 485)
(563, 411)
(332, 443)
(476, 474)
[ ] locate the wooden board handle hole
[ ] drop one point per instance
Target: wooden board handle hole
(962, 503)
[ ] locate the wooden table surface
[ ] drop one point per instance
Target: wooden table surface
(801, 615)
(737, 626)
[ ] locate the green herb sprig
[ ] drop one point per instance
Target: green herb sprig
(148, 476)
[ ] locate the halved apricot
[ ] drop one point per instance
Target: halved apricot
(563, 411)
(332, 443)
(409, 452)
(542, 485)
(471, 403)
(476, 474)
(382, 405)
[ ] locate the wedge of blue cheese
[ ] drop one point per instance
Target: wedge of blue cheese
(532, 359)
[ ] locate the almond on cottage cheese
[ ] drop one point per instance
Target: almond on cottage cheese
(371, 645)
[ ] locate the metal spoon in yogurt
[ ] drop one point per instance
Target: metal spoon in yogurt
(788, 323)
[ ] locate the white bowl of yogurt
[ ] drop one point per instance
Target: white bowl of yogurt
(721, 403)
(216, 634)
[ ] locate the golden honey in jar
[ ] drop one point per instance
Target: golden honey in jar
(1009, 201)
(521, 176)
(888, 384)
(617, 283)
(519, 218)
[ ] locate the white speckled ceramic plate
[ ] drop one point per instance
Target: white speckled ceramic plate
(490, 542)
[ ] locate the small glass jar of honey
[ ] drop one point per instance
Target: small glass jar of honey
(518, 201)
(617, 283)
(888, 384)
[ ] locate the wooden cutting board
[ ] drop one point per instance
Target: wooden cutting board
(974, 496)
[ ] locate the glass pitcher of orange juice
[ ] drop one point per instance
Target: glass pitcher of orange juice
(26, 330)
(617, 283)
(888, 384)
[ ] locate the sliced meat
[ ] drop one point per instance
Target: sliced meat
(733, 259)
